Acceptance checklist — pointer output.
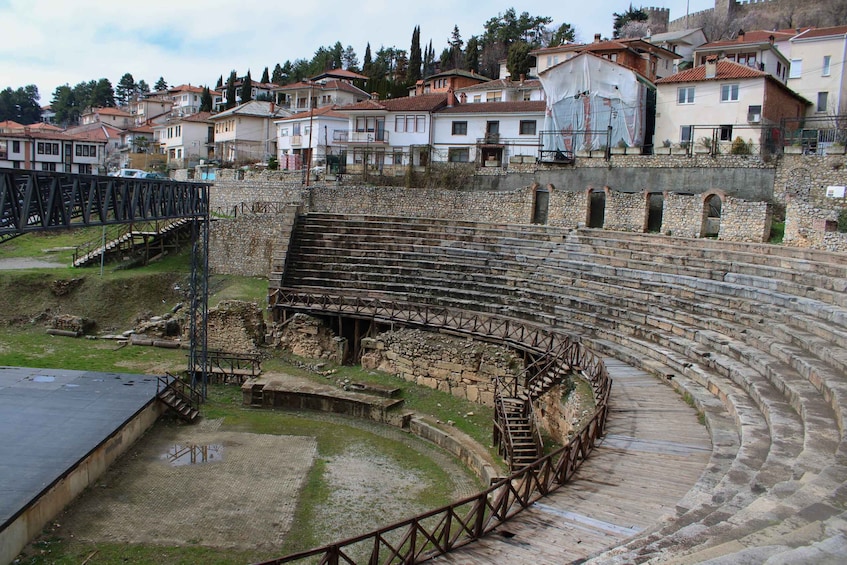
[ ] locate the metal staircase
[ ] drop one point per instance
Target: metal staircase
(179, 396)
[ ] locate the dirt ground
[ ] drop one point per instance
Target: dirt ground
(201, 485)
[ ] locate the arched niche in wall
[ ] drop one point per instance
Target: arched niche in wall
(713, 201)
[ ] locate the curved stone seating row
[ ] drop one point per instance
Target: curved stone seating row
(753, 338)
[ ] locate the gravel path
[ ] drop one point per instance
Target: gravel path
(28, 263)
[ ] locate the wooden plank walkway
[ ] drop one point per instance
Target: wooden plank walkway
(653, 453)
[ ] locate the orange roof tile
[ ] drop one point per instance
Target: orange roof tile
(497, 107)
(823, 32)
(424, 103)
(725, 70)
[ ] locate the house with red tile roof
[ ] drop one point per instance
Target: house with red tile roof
(722, 101)
(44, 150)
(247, 132)
(648, 60)
(819, 69)
(312, 138)
(185, 140)
(102, 132)
(441, 83)
(115, 117)
(394, 132)
(760, 49)
(319, 92)
(489, 134)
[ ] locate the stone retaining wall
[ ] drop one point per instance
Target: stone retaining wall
(464, 368)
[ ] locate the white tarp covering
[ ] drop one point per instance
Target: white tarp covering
(590, 94)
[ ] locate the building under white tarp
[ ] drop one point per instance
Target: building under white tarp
(592, 102)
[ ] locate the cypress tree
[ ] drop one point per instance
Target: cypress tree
(247, 88)
(414, 71)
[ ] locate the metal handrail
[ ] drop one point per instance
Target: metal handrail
(441, 530)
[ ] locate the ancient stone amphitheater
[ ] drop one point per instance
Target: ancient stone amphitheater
(752, 336)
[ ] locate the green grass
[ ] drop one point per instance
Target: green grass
(777, 232)
(48, 245)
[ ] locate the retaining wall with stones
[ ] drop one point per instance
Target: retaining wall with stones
(464, 368)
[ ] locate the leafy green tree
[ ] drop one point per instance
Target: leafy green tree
(502, 31)
(206, 100)
(564, 33)
(631, 15)
(277, 77)
(231, 91)
(20, 105)
(415, 58)
(126, 89)
(472, 54)
(160, 85)
(247, 88)
(265, 77)
(519, 60)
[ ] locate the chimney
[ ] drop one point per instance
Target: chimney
(273, 107)
(374, 95)
(451, 98)
(596, 38)
(771, 39)
(463, 97)
(740, 36)
(523, 78)
(711, 67)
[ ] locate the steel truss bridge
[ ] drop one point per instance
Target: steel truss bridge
(32, 201)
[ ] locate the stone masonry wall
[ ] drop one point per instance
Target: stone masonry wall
(626, 211)
(745, 221)
(246, 245)
(462, 367)
(682, 215)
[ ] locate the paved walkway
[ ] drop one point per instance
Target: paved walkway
(653, 453)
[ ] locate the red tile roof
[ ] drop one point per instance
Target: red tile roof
(497, 107)
(108, 111)
(199, 117)
(11, 124)
(423, 103)
(502, 83)
(343, 73)
(725, 70)
(753, 37)
(823, 32)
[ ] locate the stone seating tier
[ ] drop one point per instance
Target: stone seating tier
(753, 335)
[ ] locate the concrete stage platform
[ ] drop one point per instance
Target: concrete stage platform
(59, 431)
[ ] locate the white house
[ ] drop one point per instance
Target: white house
(247, 131)
(489, 134)
(723, 100)
(501, 90)
(318, 93)
(760, 49)
(818, 71)
(682, 42)
(114, 117)
(51, 151)
(313, 137)
(148, 107)
(395, 132)
(186, 140)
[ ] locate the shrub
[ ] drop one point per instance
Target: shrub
(842, 221)
(740, 147)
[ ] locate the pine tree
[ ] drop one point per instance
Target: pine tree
(349, 59)
(220, 84)
(142, 87)
(206, 100)
(231, 90)
(125, 90)
(265, 78)
(277, 77)
(455, 43)
(247, 88)
(472, 54)
(414, 72)
(160, 85)
(367, 64)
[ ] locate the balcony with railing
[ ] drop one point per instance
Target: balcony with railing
(361, 137)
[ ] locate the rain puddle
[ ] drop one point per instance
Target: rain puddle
(179, 455)
(43, 379)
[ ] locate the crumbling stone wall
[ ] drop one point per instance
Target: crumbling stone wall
(306, 336)
(249, 244)
(745, 221)
(236, 326)
(464, 368)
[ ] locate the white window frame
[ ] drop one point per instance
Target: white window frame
(826, 68)
(822, 96)
(729, 92)
(796, 68)
(685, 95)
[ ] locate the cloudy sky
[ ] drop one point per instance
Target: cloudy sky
(53, 42)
